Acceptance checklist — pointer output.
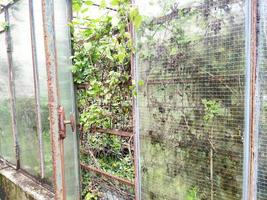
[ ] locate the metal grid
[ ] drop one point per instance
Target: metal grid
(191, 60)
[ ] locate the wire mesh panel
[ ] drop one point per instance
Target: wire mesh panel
(262, 136)
(191, 75)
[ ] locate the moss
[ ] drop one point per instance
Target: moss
(10, 191)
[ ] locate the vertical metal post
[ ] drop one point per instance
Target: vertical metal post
(36, 89)
(70, 18)
(134, 74)
(253, 81)
(12, 89)
(51, 65)
(249, 174)
(247, 100)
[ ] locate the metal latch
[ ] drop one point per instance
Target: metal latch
(62, 122)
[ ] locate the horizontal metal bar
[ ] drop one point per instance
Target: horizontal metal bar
(82, 86)
(114, 132)
(107, 175)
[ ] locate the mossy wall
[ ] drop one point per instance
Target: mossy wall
(14, 185)
(11, 191)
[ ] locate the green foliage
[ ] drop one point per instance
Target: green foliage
(212, 108)
(4, 26)
(192, 194)
(91, 196)
(135, 17)
(191, 102)
(102, 51)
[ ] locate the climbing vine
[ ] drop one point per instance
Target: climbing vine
(102, 72)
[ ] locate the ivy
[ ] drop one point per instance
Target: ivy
(102, 52)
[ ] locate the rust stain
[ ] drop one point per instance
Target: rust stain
(113, 132)
(252, 183)
(107, 175)
(51, 66)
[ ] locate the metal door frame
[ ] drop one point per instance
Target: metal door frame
(56, 111)
(56, 117)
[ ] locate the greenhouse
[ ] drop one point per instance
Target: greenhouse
(141, 99)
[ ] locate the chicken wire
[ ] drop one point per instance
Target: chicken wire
(191, 85)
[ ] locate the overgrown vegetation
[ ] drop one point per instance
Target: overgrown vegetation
(102, 65)
(191, 66)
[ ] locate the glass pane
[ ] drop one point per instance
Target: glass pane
(43, 92)
(191, 75)
(7, 150)
(262, 136)
(63, 44)
(24, 86)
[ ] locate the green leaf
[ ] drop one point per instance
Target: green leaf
(88, 2)
(103, 4)
(76, 5)
(115, 2)
(135, 17)
(141, 83)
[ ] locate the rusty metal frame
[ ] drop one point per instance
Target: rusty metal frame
(57, 142)
(53, 93)
(253, 88)
(36, 90)
(250, 134)
(107, 175)
(113, 132)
